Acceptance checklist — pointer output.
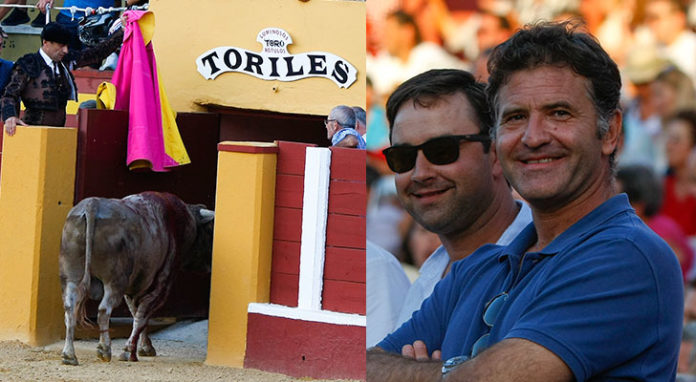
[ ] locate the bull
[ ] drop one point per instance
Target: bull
(128, 248)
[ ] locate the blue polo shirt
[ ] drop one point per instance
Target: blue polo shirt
(606, 296)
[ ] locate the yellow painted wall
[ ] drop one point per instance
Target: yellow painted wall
(242, 247)
(36, 193)
(185, 29)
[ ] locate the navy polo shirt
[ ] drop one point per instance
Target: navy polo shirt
(606, 296)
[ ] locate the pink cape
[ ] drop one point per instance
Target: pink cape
(137, 90)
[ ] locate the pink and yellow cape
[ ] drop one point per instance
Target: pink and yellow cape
(153, 136)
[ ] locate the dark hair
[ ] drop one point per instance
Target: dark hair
(642, 185)
(55, 32)
(688, 116)
(427, 88)
(558, 44)
(403, 18)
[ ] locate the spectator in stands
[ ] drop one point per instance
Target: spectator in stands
(386, 281)
(492, 30)
(43, 82)
(667, 21)
(679, 203)
(377, 129)
(387, 285)
(5, 66)
(586, 292)
(418, 245)
(340, 128)
(643, 141)
(66, 19)
(360, 122)
(671, 91)
(19, 15)
(405, 54)
(446, 176)
(481, 66)
(644, 190)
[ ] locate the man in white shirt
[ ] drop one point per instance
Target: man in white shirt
(667, 21)
(447, 177)
(404, 54)
(387, 285)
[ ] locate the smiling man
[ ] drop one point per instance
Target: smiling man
(586, 292)
(447, 177)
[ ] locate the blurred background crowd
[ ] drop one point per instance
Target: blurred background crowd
(652, 41)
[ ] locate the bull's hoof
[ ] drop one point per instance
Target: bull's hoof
(147, 351)
(69, 360)
(103, 353)
(128, 356)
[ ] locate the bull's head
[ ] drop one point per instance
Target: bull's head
(200, 256)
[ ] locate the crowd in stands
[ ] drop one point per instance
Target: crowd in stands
(652, 41)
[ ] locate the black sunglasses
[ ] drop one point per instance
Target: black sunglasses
(439, 151)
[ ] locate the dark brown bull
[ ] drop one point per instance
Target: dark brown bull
(133, 246)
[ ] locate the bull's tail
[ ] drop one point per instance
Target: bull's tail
(90, 217)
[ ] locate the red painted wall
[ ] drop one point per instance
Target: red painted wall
(287, 229)
(283, 345)
(344, 268)
(101, 159)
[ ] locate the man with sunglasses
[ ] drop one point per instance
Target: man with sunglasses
(586, 292)
(447, 176)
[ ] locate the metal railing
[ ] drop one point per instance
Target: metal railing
(75, 10)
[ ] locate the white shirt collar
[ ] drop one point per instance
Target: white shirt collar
(48, 60)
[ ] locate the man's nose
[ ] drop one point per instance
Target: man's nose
(422, 169)
(536, 133)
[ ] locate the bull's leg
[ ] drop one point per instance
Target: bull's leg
(145, 347)
(147, 305)
(70, 298)
(129, 351)
(107, 304)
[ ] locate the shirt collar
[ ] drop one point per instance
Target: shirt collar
(576, 232)
(48, 60)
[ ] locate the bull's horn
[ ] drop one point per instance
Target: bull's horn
(207, 213)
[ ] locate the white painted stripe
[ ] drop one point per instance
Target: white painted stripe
(293, 313)
(314, 212)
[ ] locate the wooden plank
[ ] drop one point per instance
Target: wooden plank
(286, 257)
(347, 197)
(289, 190)
(348, 164)
(345, 264)
(345, 231)
(291, 157)
(343, 296)
(284, 288)
(305, 349)
(287, 224)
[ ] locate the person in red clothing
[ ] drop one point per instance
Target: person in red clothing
(678, 202)
(644, 191)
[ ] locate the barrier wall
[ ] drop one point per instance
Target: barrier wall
(314, 325)
(242, 245)
(36, 191)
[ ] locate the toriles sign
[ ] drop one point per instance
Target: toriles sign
(274, 62)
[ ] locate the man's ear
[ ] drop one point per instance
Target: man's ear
(496, 168)
(610, 141)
